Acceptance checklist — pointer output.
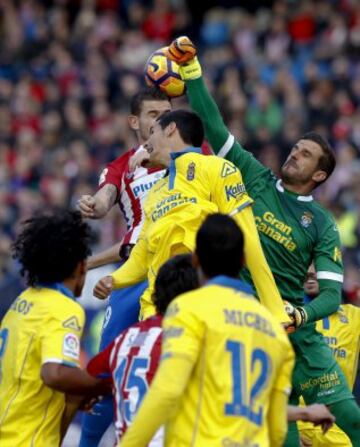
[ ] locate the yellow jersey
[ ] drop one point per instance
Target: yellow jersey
(196, 186)
(43, 325)
(240, 355)
(341, 331)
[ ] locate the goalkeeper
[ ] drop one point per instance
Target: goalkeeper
(294, 230)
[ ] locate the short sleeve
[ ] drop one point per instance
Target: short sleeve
(327, 255)
(100, 364)
(60, 340)
(286, 365)
(114, 172)
(183, 332)
(227, 187)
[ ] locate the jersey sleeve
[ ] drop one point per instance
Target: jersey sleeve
(61, 335)
(327, 255)
(182, 332)
(135, 269)
(329, 271)
(283, 378)
(227, 187)
(114, 172)
(100, 364)
(221, 140)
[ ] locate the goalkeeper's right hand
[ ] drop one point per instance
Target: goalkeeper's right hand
(183, 52)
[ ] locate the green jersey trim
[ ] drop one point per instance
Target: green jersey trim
(227, 146)
(330, 275)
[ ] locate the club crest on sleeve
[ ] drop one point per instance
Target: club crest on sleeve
(227, 169)
(71, 346)
(72, 323)
(306, 219)
(190, 175)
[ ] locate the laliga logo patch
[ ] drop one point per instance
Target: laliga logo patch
(71, 346)
(190, 175)
(306, 219)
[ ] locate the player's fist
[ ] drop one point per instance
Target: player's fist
(103, 287)
(140, 158)
(297, 315)
(86, 206)
(181, 50)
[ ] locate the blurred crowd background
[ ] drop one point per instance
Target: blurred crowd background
(69, 67)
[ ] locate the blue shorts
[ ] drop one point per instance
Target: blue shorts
(122, 311)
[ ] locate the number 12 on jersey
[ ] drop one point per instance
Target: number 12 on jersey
(247, 389)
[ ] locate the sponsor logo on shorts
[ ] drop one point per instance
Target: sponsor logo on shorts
(71, 346)
(324, 382)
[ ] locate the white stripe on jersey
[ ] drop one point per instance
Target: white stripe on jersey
(330, 275)
(227, 146)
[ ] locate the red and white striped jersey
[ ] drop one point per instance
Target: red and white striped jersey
(131, 359)
(132, 189)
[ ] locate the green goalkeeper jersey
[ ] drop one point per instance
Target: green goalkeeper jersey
(294, 230)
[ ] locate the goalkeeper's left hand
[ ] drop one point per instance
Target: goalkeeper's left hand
(297, 315)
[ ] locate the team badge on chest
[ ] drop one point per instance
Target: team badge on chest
(306, 219)
(190, 175)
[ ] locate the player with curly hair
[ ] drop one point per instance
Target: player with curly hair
(40, 334)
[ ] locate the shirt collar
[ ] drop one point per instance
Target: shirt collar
(175, 155)
(59, 287)
(232, 283)
(279, 187)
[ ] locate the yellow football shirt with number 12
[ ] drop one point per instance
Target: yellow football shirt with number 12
(240, 355)
(43, 325)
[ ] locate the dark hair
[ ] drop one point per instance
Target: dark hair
(50, 246)
(219, 246)
(327, 161)
(175, 277)
(190, 126)
(146, 94)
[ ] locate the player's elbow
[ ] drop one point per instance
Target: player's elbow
(51, 375)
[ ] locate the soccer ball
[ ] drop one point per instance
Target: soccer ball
(163, 73)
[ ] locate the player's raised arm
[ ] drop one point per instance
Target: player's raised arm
(229, 193)
(222, 141)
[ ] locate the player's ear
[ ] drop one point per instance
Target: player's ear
(133, 121)
(170, 129)
(319, 176)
